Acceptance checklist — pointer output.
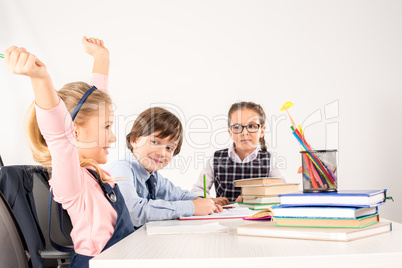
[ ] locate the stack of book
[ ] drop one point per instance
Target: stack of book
(338, 216)
(262, 193)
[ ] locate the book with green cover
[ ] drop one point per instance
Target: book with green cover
(257, 206)
(269, 229)
(360, 222)
(261, 199)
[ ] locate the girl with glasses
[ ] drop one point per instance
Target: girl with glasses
(246, 158)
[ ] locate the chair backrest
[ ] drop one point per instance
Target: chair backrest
(16, 185)
(41, 196)
(13, 249)
(28, 198)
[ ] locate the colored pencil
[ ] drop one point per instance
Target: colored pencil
(313, 180)
(314, 159)
(312, 170)
(205, 188)
(325, 170)
(291, 119)
(316, 175)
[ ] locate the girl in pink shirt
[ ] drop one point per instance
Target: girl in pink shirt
(70, 130)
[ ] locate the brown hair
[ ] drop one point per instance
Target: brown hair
(252, 106)
(70, 94)
(157, 119)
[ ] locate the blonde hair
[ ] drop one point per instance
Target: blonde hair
(70, 94)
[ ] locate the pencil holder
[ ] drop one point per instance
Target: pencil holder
(319, 171)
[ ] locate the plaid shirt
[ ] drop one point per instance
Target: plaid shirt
(226, 171)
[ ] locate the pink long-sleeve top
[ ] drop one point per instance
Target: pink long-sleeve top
(92, 216)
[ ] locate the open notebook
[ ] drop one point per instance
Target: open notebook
(236, 212)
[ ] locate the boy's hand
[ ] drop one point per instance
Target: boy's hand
(221, 201)
(19, 61)
(218, 208)
(205, 206)
(94, 47)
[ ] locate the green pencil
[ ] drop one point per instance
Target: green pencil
(205, 188)
(1, 56)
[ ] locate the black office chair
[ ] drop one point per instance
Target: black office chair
(41, 195)
(28, 191)
(13, 249)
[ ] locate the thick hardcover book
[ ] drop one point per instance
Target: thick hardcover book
(257, 181)
(344, 197)
(268, 229)
(271, 189)
(333, 223)
(322, 212)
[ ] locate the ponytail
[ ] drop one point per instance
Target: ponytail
(40, 152)
(263, 145)
(94, 164)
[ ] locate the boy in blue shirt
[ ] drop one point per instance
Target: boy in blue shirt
(156, 136)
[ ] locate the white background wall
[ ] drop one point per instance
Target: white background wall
(339, 62)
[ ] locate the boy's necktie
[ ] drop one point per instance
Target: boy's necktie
(151, 184)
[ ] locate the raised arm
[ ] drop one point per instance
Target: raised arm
(19, 61)
(96, 48)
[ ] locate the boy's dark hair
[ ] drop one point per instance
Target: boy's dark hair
(157, 119)
(252, 106)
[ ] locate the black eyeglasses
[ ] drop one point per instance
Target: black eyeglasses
(252, 128)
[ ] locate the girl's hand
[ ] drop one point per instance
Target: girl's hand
(94, 47)
(239, 199)
(19, 61)
(221, 201)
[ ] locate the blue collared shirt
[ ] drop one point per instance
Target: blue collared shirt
(171, 202)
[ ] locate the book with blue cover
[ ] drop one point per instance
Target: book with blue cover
(356, 198)
(334, 205)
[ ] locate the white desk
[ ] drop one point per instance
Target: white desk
(229, 250)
